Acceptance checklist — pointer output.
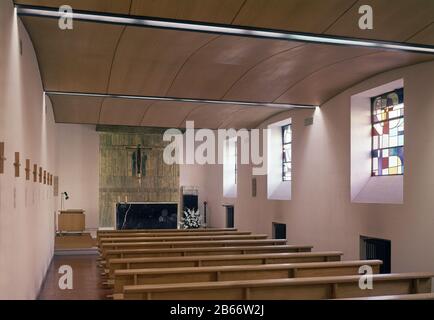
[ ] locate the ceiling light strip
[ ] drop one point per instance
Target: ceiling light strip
(189, 100)
(221, 29)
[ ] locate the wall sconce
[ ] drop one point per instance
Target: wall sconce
(64, 197)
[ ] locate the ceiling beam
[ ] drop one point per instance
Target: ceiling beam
(177, 99)
(222, 29)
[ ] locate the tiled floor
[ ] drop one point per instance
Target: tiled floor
(86, 279)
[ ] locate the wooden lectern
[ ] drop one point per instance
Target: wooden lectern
(72, 220)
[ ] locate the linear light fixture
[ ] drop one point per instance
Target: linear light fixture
(223, 29)
(176, 99)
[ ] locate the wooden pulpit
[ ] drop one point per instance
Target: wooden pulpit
(72, 220)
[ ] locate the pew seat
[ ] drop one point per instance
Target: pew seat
(240, 272)
(165, 230)
(173, 252)
(173, 234)
(109, 232)
(416, 296)
(104, 240)
(220, 260)
(283, 289)
(189, 244)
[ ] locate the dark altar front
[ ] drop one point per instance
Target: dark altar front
(142, 215)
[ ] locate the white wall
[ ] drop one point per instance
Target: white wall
(320, 212)
(26, 208)
(77, 156)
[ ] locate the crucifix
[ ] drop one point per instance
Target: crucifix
(2, 157)
(17, 164)
(35, 172)
(138, 162)
(27, 169)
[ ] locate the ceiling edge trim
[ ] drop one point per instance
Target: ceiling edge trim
(178, 99)
(193, 26)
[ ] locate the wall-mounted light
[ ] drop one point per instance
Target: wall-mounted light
(64, 196)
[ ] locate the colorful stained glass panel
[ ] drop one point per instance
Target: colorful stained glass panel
(388, 134)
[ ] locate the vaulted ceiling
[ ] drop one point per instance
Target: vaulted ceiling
(130, 60)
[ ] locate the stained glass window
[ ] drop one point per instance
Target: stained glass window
(388, 134)
(286, 152)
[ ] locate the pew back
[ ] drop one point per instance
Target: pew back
(183, 238)
(416, 296)
(111, 232)
(189, 244)
(172, 234)
(166, 230)
(242, 272)
(284, 289)
(182, 252)
(220, 260)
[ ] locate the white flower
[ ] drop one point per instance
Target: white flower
(191, 219)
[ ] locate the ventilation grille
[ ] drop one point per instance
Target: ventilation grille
(308, 121)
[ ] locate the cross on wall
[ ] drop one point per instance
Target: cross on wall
(2, 157)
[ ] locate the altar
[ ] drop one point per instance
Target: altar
(146, 215)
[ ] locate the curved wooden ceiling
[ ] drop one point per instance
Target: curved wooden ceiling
(166, 114)
(127, 60)
(395, 20)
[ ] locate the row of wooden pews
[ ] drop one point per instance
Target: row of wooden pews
(227, 264)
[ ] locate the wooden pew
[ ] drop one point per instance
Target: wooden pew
(183, 238)
(102, 233)
(189, 244)
(416, 296)
(283, 289)
(167, 230)
(182, 252)
(220, 260)
(165, 235)
(173, 234)
(242, 272)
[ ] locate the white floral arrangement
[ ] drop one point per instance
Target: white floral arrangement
(191, 219)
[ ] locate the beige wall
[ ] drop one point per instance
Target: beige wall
(26, 208)
(77, 158)
(320, 212)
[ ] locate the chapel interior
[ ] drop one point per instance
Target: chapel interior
(216, 149)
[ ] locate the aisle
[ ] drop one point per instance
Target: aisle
(86, 280)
